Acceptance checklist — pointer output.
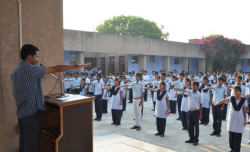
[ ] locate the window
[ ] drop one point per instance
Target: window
(112, 59)
(121, 64)
(134, 59)
(152, 58)
(176, 60)
(248, 61)
(122, 59)
(103, 64)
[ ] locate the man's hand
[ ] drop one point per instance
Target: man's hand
(84, 65)
(200, 117)
(221, 108)
(120, 103)
(140, 102)
(101, 99)
(210, 102)
(46, 96)
(245, 123)
(175, 96)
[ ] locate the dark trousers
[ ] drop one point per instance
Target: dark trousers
(124, 104)
(184, 119)
(141, 110)
(193, 123)
(248, 99)
(235, 141)
(205, 115)
(179, 99)
(116, 116)
(90, 93)
(146, 95)
(224, 114)
(130, 95)
(104, 106)
(98, 106)
(30, 131)
(217, 115)
(67, 90)
(161, 125)
(172, 106)
(154, 104)
(152, 95)
(76, 91)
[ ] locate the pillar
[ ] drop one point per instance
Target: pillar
(238, 66)
(80, 60)
(202, 64)
(42, 26)
(184, 64)
(166, 63)
(209, 66)
(142, 62)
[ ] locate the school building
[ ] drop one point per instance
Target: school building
(117, 53)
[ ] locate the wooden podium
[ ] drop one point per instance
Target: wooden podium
(67, 125)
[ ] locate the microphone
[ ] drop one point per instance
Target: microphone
(41, 64)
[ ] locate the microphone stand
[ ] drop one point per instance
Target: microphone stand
(62, 94)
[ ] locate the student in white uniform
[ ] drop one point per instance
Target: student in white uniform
(82, 87)
(194, 112)
(154, 94)
(236, 118)
(116, 101)
(173, 97)
(184, 105)
(124, 103)
(91, 87)
(67, 83)
(105, 96)
(206, 101)
(162, 108)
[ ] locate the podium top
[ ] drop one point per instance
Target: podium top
(70, 100)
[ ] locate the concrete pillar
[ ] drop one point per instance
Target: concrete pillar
(202, 63)
(184, 64)
(238, 66)
(107, 65)
(80, 60)
(209, 66)
(117, 60)
(142, 62)
(166, 63)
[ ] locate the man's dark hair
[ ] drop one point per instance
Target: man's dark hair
(182, 74)
(164, 74)
(99, 75)
(85, 73)
(28, 49)
(145, 71)
(239, 77)
(138, 74)
(221, 78)
(196, 83)
(104, 76)
(76, 73)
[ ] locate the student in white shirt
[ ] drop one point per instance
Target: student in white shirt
(98, 96)
(172, 96)
(248, 92)
(236, 118)
(192, 79)
(105, 96)
(154, 94)
(184, 105)
(206, 101)
(99, 70)
(162, 108)
(91, 87)
(219, 93)
(194, 112)
(124, 103)
(76, 81)
(145, 79)
(67, 83)
(82, 87)
(116, 101)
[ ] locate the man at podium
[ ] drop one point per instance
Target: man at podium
(28, 94)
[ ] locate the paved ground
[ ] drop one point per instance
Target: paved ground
(108, 137)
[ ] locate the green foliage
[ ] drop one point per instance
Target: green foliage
(132, 26)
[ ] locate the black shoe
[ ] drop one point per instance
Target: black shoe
(118, 124)
(248, 122)
(205, 124)
(162, 135)
(189, 141)
(158, 134)
(179, 118)
(112, 123)
(184, 128)
(195, 143)
(99, 119)
(135, 127)
(213, 134)
(95, 118)
(104, 113)
(138, 128)
(218, 135)
(130, 102)
(153, 109)
(223, 119)
(201, 123)
(173, 112)
(134, 119)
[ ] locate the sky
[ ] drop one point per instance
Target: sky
(183, 19)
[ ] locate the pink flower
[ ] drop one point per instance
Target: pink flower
(233, 56)
(225, 58)
(212, 60)
(207, 50)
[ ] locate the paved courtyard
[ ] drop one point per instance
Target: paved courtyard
(110, 138)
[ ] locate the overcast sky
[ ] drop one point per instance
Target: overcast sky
(183, 19)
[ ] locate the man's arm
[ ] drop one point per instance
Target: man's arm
(62, 68)
(179, 89)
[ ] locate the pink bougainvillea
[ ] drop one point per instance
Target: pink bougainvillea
(221, 49)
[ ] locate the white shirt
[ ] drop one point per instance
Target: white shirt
(161, 106)
(116, 99)
(236, 119)
(98, 85)
(194, 99)
(83, 90)
(76, 82)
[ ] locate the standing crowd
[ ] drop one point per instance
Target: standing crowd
(191, 95)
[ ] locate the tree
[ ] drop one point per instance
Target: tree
(132, 26)
(221, 50)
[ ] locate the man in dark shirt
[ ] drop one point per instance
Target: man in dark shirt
(28, 94)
